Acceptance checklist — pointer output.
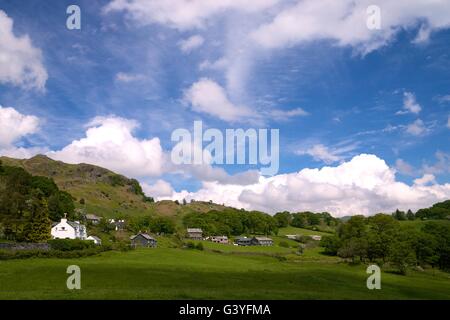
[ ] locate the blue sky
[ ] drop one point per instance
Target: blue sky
(350, 92)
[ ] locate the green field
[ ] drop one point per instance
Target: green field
(170, 273)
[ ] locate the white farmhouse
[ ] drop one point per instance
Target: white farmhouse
(69, 230)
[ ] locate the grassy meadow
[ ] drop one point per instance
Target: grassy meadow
(218, 272)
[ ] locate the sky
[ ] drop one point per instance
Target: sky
(363, 112)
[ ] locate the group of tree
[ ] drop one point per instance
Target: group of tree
(231, 222)
(440, 210)
(382, 239)
(28, 204)
(155, 224)
(304, 219)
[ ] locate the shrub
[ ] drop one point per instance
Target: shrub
(284, 244)
(70, 244)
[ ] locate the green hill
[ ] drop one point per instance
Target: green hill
(103, 192)
(95, 189)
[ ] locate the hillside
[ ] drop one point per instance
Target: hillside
(101, 191)
(95, 189)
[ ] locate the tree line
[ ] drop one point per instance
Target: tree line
(437, 211)
(28, 205)
(231, 222)
(384, 240)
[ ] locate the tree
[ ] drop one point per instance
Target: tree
(283, 219)
(402, 256)
(331, 244)
(382, 231)
(162, 225)
(410, 215)
(299, 220)
(39, 224)
(399, 215)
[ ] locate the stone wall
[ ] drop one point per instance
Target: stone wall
(24, 246)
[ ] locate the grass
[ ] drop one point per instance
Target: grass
(169, 273)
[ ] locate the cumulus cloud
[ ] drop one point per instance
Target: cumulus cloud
(191, 43)
(345, 22)
(110, 143)
(410, 104)
(425, 180)
(207, 96)
(21, 64)
(15, 125)
(363, 185)
(183, 14)
(158, 190)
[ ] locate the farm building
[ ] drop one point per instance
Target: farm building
(243, 241)
(92, 218)
(96, 240)
(119, 225)
(68, 230)
(220, 239)
(195, 233)
(143, 240)
(316, 237)
(262, 241)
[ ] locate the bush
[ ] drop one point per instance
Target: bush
(199, 246)
(70, 244)
(284, 244)
(26, 254)
(190, 245)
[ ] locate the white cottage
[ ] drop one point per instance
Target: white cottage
(69, 230)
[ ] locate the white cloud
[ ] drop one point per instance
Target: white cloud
(442, 165)
(328, 155)
(110, 143)
(20, 62)
(206, 96)
(425, 180)
(344, 22)
(183, 14)
(410, 104)
(191, 43)
(363, 185)
(321, 153)
(417, 128)
(448, 122)
(159, 189)
(443, 99)
(283, 115)
(129, 77)
(218, 64)
(14, 125)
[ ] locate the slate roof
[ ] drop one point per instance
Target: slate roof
(263, 239)
(194, 230)
(146, 236)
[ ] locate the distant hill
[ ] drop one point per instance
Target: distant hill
(103, 192)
